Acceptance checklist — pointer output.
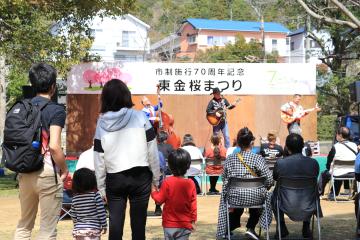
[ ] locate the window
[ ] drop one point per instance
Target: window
(191, 39)
(128, 58)
(93, 32)
(287, 41)
(314, 44)
(274, 44)
(292, 46)
(210, 41)
(128, 39)
(217, 40)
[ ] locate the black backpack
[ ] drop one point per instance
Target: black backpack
(22, 137)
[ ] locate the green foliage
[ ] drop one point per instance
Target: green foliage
(326, 126)
(166, 16)
(334, 95)
(16, 79)
(332, 81)
(56, 32)
(240, 51)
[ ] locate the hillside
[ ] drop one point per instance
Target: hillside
(165, 16)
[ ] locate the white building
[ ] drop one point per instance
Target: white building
(122, 38)
(298, 43)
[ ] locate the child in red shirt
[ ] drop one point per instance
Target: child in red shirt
(179, 195)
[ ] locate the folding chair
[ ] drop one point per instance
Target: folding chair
(66, 205)
(194, 172)
(211, 162)
(299, 184)
(346, 177)
(246, 183)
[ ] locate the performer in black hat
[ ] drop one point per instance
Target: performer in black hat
(216, 114)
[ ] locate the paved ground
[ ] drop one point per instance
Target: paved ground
(338, 221)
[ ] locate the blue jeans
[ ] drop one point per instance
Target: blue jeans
(223, 127)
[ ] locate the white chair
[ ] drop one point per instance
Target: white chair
(193, 171)
(338, 164)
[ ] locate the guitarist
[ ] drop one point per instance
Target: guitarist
(295, 110)
(219, 102)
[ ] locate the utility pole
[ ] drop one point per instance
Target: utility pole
(230, 9)
(307, 40)
(262, 32)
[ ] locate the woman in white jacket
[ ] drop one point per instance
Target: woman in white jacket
(126, 159)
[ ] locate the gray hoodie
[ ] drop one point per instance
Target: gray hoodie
(123, 140)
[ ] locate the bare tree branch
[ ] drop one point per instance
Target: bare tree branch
(346, 11)
(325, 18)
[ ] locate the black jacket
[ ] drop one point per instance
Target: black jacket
(297, 204)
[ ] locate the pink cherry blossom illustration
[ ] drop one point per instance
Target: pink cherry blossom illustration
(89, 77)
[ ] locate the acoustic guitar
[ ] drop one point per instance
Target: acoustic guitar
(291, 115)
(213, 119)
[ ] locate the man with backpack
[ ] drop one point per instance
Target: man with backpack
(40, 176)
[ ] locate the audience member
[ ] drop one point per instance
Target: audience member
(126, 159)
(243, 165)
(44, 187)
(216, 153)
(356, 198)
(343, 150)
(179, 196)
(292, 166)
(87, 208)
(86, 159)
(271, 150)
(163, 168)
(163, 146)
(189, 145)
(232, 149)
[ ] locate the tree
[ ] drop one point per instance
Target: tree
(240, 51)
(27, 35)
(338, 50)
(319, 11)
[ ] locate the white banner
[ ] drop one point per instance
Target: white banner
(196, 78)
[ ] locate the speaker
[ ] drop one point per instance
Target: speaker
(355, 91)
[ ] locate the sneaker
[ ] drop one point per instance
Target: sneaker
(158, 211)
(213, 192)
(250, 233)
(330, 197)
